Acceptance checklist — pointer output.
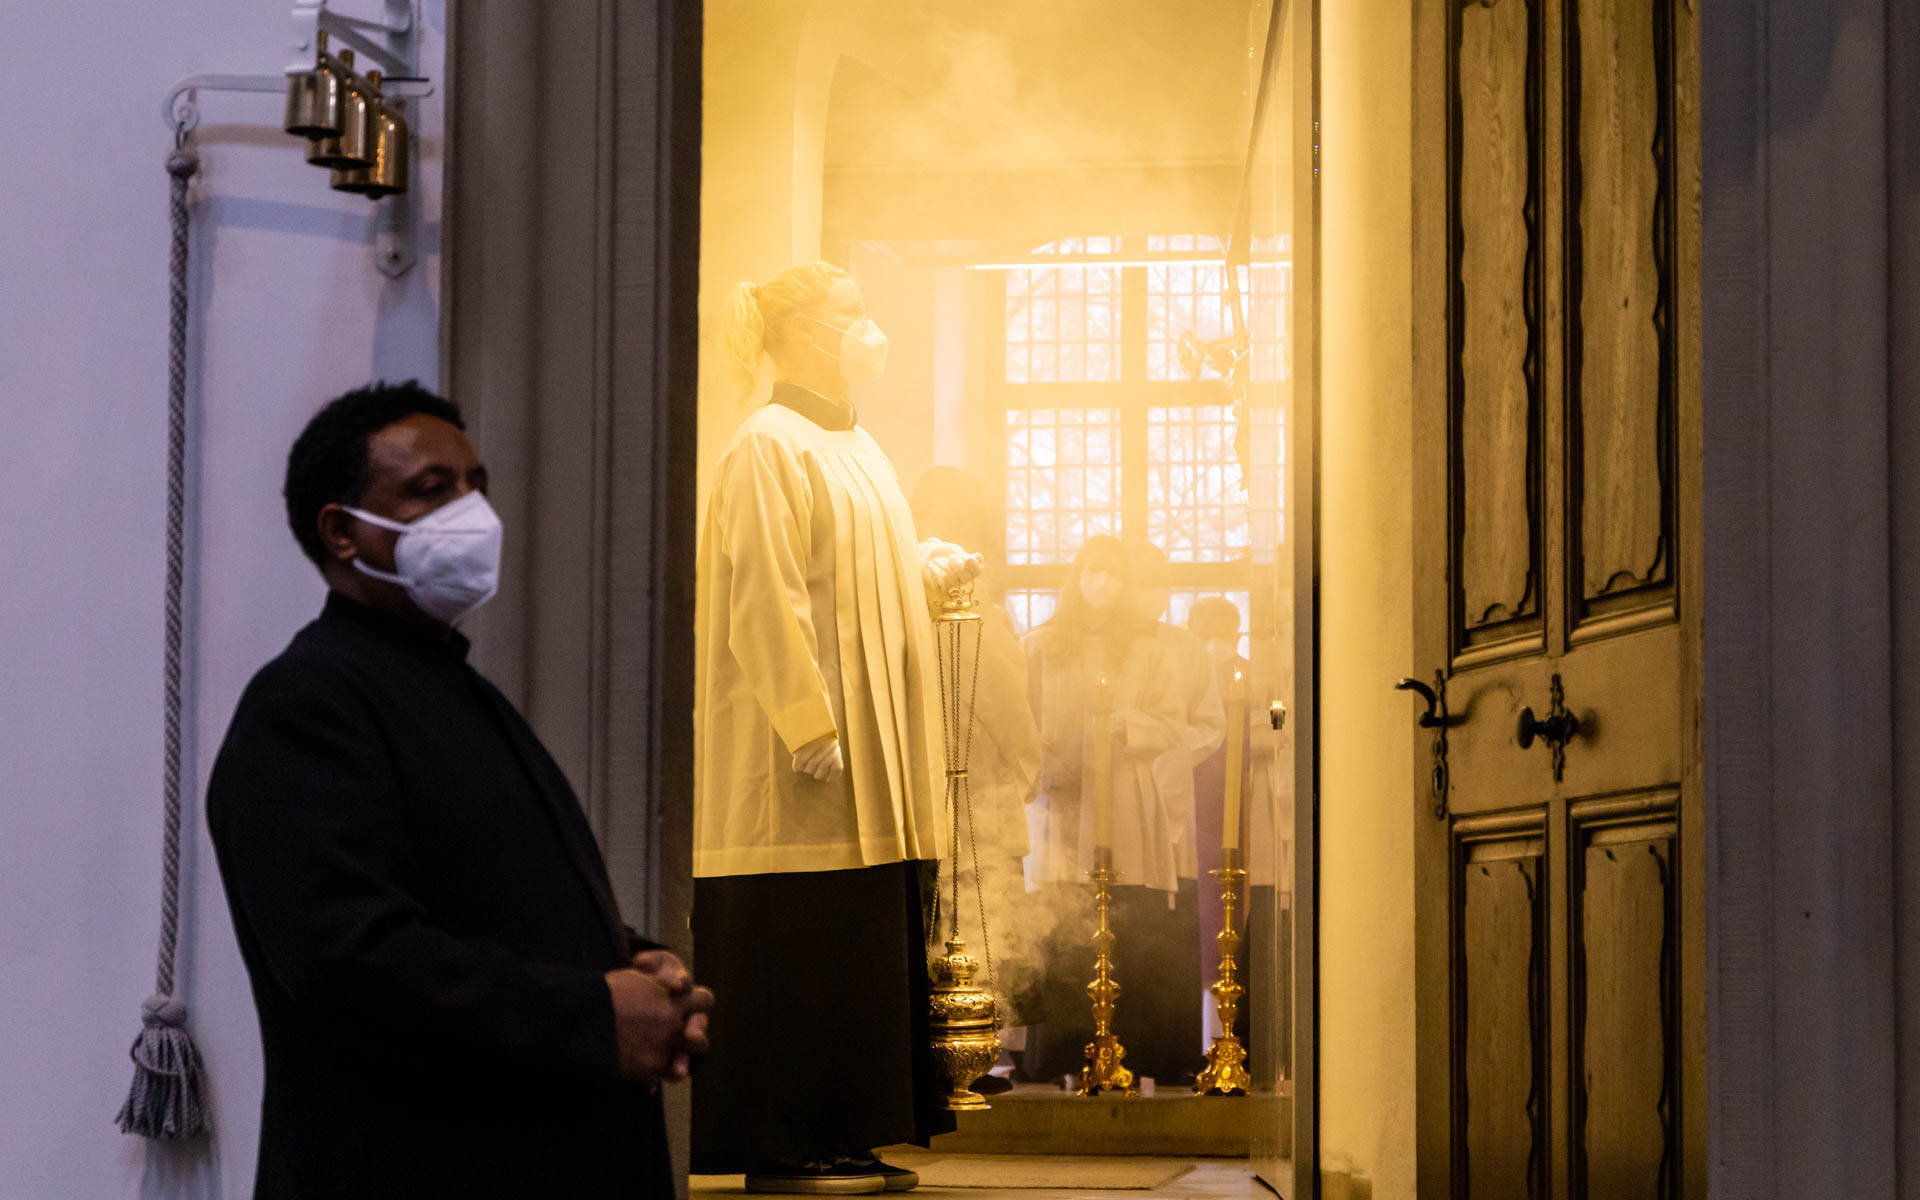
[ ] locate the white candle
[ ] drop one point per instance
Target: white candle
(1103, 764)
(1236, 755)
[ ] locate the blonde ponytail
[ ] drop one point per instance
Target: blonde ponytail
(745, 334)
(757, 313)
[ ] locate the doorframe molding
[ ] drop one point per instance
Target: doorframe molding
(1810, 514)
(569, 337)
(1304, 497)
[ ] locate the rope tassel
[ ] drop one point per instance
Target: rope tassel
(167, 1099)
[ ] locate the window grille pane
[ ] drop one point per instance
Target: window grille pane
(1031, 607)
(1190, 297)
(1063, 481)
(1016, 364)
(1063, 323)
(1269, 293)
(1197, 510)
(1267, 482)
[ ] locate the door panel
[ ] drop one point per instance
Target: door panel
(1621, 341)
(1498, 261)
(1624, 1003)
(1501, 1000)
(1552, 597)
(1630, 734)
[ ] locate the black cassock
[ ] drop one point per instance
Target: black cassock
(426, 921)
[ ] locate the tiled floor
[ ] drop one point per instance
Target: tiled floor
(1210, 1179)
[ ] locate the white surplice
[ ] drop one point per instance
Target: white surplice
(812, 619)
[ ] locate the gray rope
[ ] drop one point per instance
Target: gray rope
(167, 1099)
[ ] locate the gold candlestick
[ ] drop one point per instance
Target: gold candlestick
(1226, 1069)
(1105, 1070)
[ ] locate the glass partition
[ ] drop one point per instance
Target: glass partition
(1074, 224)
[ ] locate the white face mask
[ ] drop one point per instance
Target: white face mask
(1100, 590)
(863, 350)
(448, 560)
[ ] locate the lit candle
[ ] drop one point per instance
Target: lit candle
(1103, 764)
(1236, 754)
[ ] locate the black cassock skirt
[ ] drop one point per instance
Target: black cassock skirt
(820, 1023)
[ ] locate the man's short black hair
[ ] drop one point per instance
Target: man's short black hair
(328, 462)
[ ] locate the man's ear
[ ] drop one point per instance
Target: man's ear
(336, 532)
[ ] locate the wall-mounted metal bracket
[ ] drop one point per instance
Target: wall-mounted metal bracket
(393, 239)
(390, 43)
(180, 113)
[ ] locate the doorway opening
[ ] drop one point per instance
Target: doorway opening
(1085, 231)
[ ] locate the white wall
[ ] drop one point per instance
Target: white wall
(1366, 597)
(759, 162)
(288, 310)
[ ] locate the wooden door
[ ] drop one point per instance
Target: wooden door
(1558, 885)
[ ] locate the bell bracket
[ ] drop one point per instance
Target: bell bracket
(390, 44)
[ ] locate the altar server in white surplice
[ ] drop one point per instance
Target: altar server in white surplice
(819, 777)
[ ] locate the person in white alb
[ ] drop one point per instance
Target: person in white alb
(818, 786)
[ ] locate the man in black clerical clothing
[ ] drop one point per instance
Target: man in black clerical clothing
(449, 1003)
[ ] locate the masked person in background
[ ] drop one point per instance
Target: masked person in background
(1003, 762)
(1101, 633)
(819, 776)
(449, 1004)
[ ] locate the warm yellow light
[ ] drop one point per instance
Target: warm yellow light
(1112, 262)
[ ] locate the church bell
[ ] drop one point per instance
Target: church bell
(317, 99)
(353, 145)
(387, 174)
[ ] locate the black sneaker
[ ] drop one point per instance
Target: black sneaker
(842, 1178)
(896, 1179)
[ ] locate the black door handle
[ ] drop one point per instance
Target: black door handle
(1437, 719)
(1556, 729)
(1436, 715)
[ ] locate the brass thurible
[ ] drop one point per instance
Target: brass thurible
(1226, 1071)
(1105, 1069)
(965, 1016)
(966, 1026)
